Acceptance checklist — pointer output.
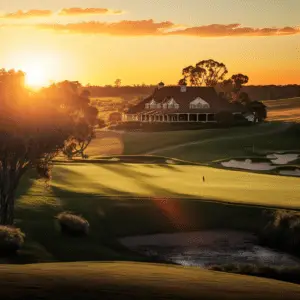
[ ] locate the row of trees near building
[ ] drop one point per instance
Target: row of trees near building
(35, 128)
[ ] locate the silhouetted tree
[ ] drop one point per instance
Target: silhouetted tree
(34, 128)
(118, 82)
(206, 72)
(239, 80)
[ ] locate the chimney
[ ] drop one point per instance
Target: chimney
(183, 88)
(182, 84)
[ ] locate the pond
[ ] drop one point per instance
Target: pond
(208, 248)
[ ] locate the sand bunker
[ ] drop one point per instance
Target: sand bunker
(248, 165)
(295, 172)
(282, 159)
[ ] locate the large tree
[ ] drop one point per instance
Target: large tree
(206, 72)
(35, 128)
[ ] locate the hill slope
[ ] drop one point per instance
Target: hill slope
(134, 281)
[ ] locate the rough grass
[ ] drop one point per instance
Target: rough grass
(134, 281)
(284, 110)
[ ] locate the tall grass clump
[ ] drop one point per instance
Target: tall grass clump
(73, 225)
(11, 240)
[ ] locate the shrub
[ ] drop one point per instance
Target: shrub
(72, 224)
(282, 231)
(11, 240)
(289, 274)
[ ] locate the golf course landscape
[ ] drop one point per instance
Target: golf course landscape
(136, 183)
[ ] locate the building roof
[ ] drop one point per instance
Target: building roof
(184, 98)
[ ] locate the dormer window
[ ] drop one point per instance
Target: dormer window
(199, 103)
(151, 105)
(172, 104)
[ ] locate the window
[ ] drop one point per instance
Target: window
(165, 105)
(199, 103)
(151, 105)
(172, 104)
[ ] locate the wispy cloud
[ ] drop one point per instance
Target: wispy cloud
(122, 28)
(75, 11)
(221, 30)
(149, 27)
(21, 14)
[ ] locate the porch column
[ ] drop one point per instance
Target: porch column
(188, 117)
(206, 117)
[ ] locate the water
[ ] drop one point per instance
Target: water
(207, 248)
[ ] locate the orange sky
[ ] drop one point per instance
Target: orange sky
(149, 41)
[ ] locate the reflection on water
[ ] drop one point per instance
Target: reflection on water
(209, 248)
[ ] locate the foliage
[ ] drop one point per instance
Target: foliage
(118, 82)
(115, 117)
(36, 127)
(239, 80)
(225, 118)
(72, 224)
(11, 240)
(282, 231)
(206, 72)
(289, 274)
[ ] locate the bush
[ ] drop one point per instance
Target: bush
(282, 232)
(11, 240)
(71, 224)
(290, 274)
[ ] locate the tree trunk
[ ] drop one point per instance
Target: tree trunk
(7, 206)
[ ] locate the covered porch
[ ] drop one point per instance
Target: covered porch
(176, 117)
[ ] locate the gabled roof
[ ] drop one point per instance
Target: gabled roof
(184, 98)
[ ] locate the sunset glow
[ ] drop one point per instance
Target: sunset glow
(147, 42)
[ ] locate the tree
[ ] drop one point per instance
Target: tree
(239, 80)
(35, 128)
(206, 72)
(118, 82)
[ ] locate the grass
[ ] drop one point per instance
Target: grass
(114, 198)
(284, 109)
(134, 281)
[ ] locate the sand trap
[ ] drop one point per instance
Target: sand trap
(170, 161)
(248, 165)
(282, 159)
(295, 172)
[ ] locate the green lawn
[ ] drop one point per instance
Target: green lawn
(134, 281)
(127, 199)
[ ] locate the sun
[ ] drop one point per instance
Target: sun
(36, 77)
(40, 68)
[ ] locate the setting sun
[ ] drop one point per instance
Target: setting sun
(40, 67)
(36, 77)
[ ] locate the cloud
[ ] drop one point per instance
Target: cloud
(21, 14)
(75, 11)
(220, 30)
(122, 28)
